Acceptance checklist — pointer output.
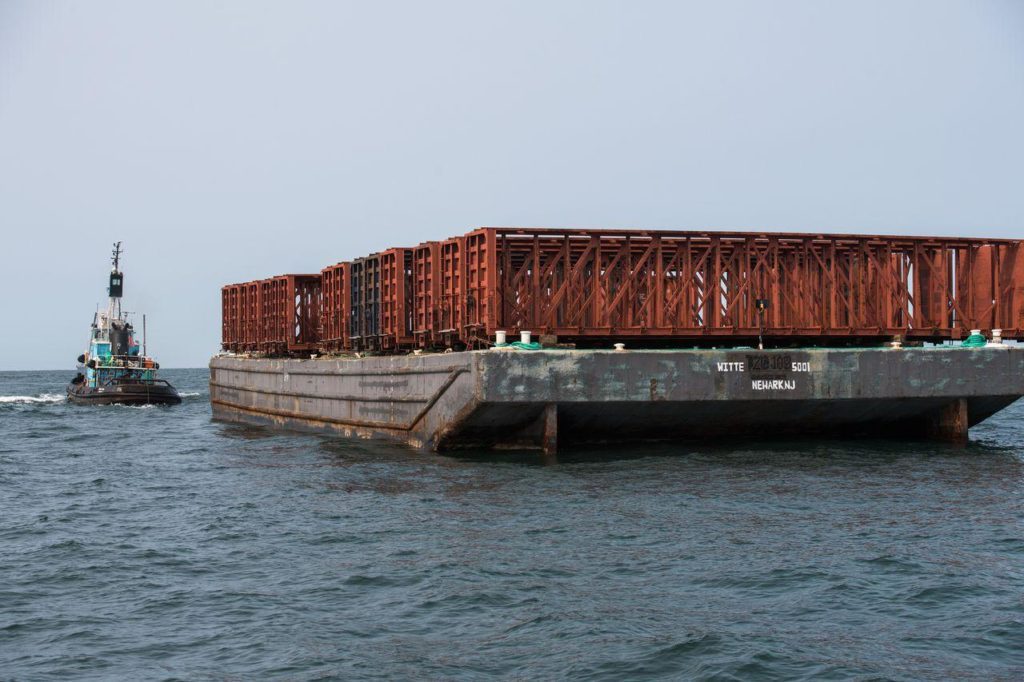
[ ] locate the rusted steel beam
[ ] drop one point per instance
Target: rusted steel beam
(449, 324)
(365, 307)
(288, 317)
(426, 292)
(334, 316)
(688, 284)
(230, 335)
(396, 299)
(597, 285)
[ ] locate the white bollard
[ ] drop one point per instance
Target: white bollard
(524, 337)
(620, 346)
(499, 337)
(997, 337)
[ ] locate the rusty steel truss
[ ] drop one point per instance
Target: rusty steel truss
(336, 289)
(655, 287)
(276, 316)
(690, 286)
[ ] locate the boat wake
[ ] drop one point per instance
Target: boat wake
(32, 400)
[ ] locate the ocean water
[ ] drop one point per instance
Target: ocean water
(153, 543)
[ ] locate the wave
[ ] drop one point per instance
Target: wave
(189, 394)
(31, 400)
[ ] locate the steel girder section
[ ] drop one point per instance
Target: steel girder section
(364, 309)
(662, 286)
(396, 299)
(599, 283)
(426, 292)
(334, 316)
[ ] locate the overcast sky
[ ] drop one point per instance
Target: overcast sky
(231, 141)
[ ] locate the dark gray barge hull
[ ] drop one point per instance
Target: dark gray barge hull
(488, 399)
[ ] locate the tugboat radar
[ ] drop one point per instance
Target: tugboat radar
(116, 287)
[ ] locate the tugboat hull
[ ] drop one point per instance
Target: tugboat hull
(160, 393)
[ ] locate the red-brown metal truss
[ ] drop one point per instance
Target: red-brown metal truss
(364, 303)
(426, 288)
(334, 318)
(290, 306)
(690, 286)
(449, 323)
(231, 333)
(645, 286)
(276, 315)
(396, 299)
(241, 317)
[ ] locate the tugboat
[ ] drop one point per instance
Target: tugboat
(112, 371)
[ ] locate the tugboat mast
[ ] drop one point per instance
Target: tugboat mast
(116, 287)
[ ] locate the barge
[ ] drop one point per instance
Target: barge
(728, 334)
(541, 399)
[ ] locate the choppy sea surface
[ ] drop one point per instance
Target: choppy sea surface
(153, 543)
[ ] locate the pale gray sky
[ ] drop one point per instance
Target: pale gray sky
(225, 141)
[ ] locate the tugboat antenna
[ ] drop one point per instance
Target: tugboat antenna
(117, 254)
